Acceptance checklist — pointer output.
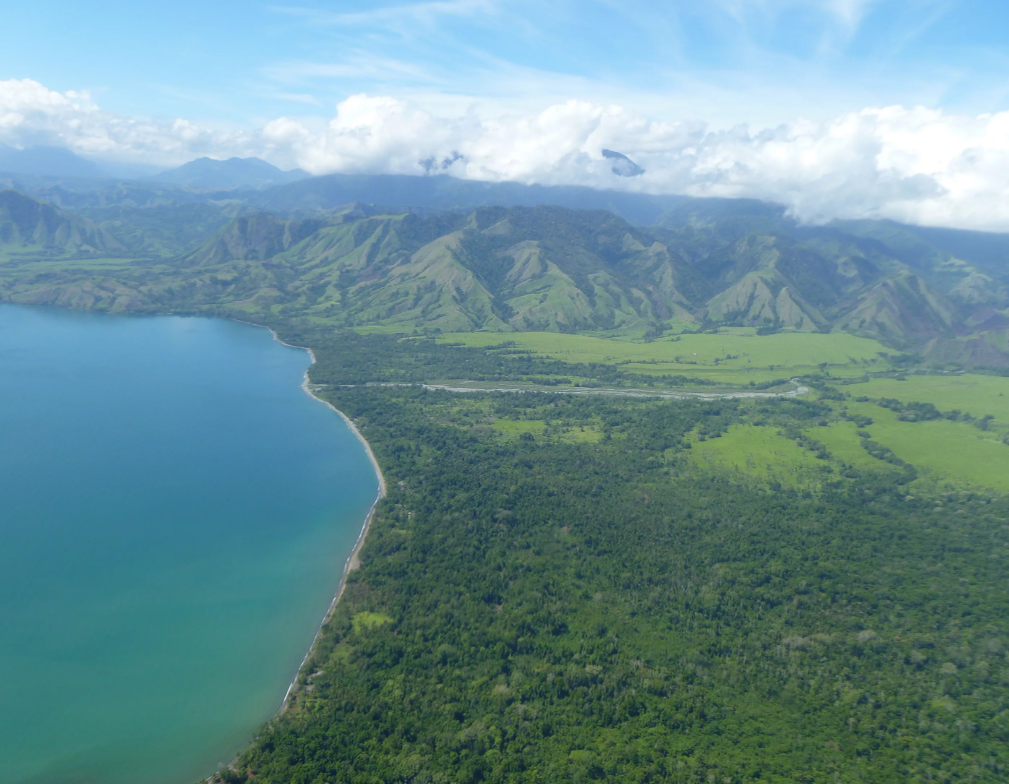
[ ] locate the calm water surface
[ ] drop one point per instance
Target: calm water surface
(175, 513)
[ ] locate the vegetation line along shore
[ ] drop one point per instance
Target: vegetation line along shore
(352, 561)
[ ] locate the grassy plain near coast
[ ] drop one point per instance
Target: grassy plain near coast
(946, 454)
(955, 453)
(974, 394)
(730, 356)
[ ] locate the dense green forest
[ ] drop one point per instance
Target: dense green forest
(554, 590)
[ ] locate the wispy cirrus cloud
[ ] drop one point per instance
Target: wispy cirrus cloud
(764, 59)
(356, 64)
(395, 16)
(849, 13)
(304, 98)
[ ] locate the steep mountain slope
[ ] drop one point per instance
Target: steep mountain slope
(875, 278)
(716, 263)
(257, 236)
(499, 269)
(898, 309)
(986, 251)
(771, 281)
(162, 230)
(32, 228)
(552, 269)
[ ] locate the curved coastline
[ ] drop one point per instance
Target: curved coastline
(353, 561)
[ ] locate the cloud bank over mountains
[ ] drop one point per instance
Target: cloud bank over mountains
(910, 164)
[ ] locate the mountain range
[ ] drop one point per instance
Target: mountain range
(61, 164)
(233, 173)
(702, 264)
(46, 162)
(422, 195)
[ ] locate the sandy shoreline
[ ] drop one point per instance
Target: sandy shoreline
(353, 560)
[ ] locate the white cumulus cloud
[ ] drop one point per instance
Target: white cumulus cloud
(33, 115)
(910, 164)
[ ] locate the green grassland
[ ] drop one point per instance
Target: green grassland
(518, 427)
(842, 441)
(945, 451)
(580, 433)
(761, 452)
(977, 395)
(728, 356)
(35, 266)
(369, 620)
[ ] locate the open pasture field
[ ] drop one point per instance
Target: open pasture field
(944, 451)
(731, 358)
(958, 454)
(515, 428)
(842, 441)
(763, 453)
(976, 395)
(20, 264)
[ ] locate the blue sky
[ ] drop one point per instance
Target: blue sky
(835, 108)
(236, 64)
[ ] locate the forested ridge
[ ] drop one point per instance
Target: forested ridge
(704, 264)
(553, 591)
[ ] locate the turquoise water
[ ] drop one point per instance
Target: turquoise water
(175, 513)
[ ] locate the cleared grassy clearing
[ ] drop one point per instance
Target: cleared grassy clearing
(377, 329)
(762, 453)
(369, 620)
(976, 395)
(731, 358)
(514, 428)
(584, 435)
(37, 265)
(946, 451)
(842, 441)
(719, 375)
(730, 375)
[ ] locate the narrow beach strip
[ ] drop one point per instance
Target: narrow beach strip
(353, 561)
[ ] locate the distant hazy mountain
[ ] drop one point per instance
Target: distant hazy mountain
(622, 165)
(46, 162)
(234, 173)
(407, 193)
(441, 192)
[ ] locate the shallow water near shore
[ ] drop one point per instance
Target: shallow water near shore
(175, 514)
